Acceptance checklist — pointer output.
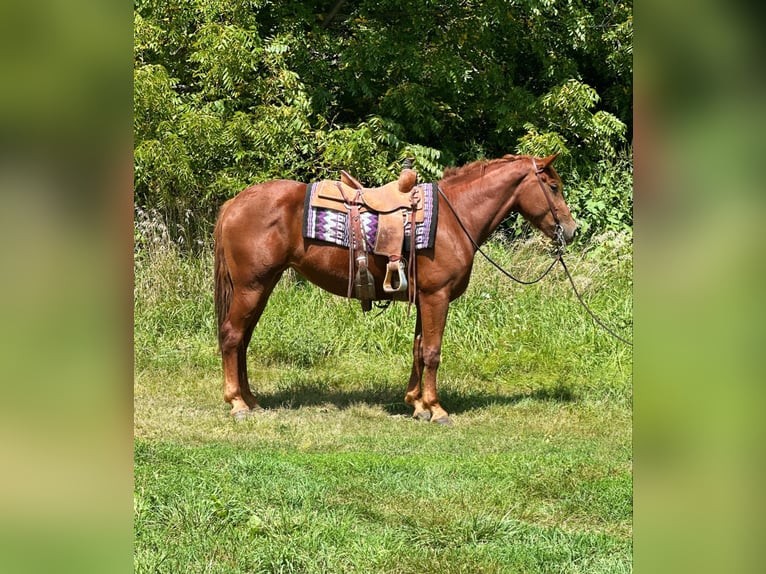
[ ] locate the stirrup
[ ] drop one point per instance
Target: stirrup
(364, 284)
(396, 283)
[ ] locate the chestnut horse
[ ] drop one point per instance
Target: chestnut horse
(259, 234)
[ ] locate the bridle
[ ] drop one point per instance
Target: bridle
(558, 232)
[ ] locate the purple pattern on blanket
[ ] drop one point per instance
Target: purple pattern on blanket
(330, 226)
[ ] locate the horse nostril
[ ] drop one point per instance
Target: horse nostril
(570, 232)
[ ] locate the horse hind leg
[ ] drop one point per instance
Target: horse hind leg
(234, 336)
(244, 384)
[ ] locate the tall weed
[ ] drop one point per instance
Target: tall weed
(173, 305)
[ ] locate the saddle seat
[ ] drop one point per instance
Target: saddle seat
(387, 198)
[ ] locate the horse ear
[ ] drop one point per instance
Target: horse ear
(549, 160)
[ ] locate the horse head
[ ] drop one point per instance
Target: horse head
(541, 201)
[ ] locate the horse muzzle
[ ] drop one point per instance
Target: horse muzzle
(563, 234)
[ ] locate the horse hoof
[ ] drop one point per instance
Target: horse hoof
(446, 421)
(423, 416)
(241, 415)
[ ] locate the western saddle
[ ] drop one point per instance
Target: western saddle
(395, 203)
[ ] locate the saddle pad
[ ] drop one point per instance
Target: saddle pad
(330, 226)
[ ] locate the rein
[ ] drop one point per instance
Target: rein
(598, 321)
(558, 254)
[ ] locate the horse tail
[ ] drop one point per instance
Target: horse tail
(223, 284)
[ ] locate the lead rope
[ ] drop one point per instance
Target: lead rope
(591, 313)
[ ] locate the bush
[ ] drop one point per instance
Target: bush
(603, 201)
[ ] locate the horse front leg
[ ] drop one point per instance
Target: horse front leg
(416, 374)
(434, 317)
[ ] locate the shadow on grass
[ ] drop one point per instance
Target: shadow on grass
(391, 397)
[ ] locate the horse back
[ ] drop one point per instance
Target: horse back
(264, 204)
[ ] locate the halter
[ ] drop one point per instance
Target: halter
(558, 232)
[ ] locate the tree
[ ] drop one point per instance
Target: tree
(231, 92)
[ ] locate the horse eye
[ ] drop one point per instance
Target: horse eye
(554, 186)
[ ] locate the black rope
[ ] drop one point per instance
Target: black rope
(591, 313)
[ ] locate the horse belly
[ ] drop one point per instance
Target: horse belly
(324, 266)
(327, 267)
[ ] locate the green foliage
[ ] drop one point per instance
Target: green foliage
(226, 56)
(603, 201)
(566, 117)
(361, 149)
(232, 92)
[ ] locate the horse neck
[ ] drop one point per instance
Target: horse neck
(483, 201)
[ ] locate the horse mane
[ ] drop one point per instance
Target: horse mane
(480, 164)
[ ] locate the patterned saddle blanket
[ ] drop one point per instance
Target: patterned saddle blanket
(331, 226)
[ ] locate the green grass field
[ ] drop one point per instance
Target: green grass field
(534, 476)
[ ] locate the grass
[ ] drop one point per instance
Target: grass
(251, 509)
(535, 476)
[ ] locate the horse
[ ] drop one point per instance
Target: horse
(258, 235)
